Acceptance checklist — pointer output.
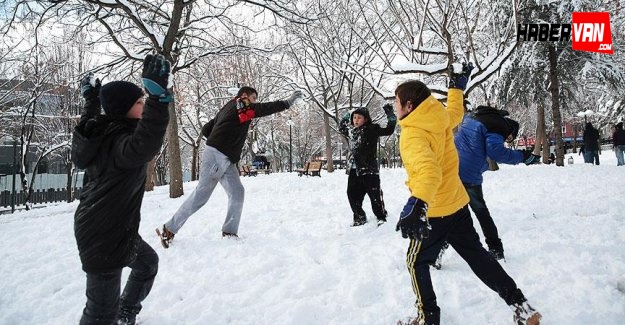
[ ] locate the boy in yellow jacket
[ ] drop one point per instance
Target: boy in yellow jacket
(437, 209)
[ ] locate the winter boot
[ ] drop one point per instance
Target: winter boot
(431, 319)
(419, 320)
(359, 220)
(381, 222)
(126, 321)
(166, 236)
(524, 314)
(497, 253)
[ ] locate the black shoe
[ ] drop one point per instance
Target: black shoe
(229, 235)
(130, 320)
(359, 223)
(497, 254)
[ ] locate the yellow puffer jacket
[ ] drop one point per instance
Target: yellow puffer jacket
(429, 154)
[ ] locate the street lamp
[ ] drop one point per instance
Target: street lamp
(290, 124)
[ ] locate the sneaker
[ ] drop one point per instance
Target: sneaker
(497, 253)
(126, 321)
(229, 235)
(524, 314)
(166, 236)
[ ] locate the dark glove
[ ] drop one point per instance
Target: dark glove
(529, 158)
(460, 80)
(156, 76)
(390, 112)
(413, 221)
(388, 109)
(294, 96)
(90, 91)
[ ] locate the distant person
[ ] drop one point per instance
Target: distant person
(618, 142)
(591, 144)
(437, 209)
(226, 134)
(363, 171)
(115, 149)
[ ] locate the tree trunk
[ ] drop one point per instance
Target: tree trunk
(555, 103)
(329, 156)
(195, 158)
(540, 129)
(68, 169)
(173, 152)
(149, 179)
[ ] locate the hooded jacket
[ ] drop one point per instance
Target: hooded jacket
(364, 141)
(429, 155)
(114, 151)
(479, 136)
(227, 131)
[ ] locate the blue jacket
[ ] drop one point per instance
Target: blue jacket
(474, 143)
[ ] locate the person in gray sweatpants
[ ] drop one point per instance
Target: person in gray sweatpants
(225, 134)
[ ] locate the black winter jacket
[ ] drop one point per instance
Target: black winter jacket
(227, 131)
(618, 137)
(114, 152)
(364, 142)
(591, 138)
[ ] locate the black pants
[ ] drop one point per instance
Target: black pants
(478, 205)
(104, 305)
(458, 230)
(357, 187)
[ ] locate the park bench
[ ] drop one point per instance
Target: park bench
(248, 171)
(312, 168)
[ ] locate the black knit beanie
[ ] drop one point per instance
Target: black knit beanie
(117, 97)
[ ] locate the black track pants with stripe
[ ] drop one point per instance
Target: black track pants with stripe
(458, 230)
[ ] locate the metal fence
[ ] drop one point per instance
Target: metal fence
(38, 196)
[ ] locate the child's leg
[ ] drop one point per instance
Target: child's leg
(356, 194)
(102, 298)
(478, 205)
(140, 280)
(374, 191)
(211, 171)
(231, 182)
(464, 239)
(422, 253)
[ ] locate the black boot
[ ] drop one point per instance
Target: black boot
(359, 220)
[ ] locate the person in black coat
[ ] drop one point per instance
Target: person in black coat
(363, 168)
(618, 142)
(591, 144)
(114, 149)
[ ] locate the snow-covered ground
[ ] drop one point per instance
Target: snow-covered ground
(299, 262)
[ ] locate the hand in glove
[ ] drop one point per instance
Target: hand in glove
(390, 112)
(459, 79)
(294, 96)
(90, 87)
(413, 221)
(156, 76)
(529, 158)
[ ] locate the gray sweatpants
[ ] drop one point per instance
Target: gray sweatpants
(215, 168)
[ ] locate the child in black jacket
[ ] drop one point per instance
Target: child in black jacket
(114, 149)
(363, 168)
